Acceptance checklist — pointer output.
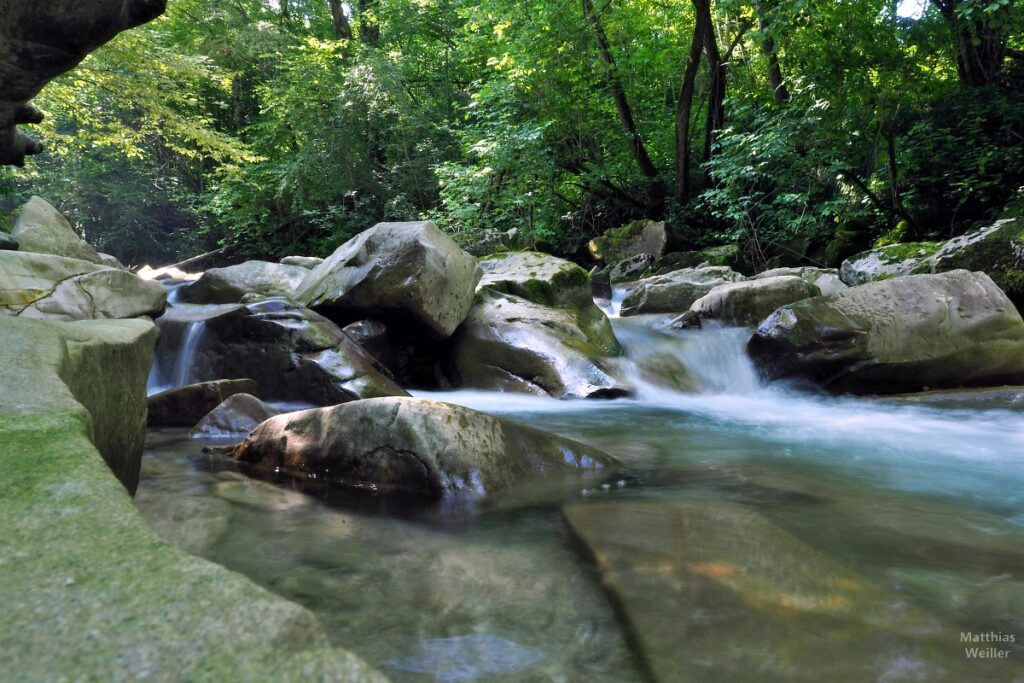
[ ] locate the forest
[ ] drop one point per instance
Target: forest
(801, 131)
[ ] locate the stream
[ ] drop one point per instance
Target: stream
(924, 500)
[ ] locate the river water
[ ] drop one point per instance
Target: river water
(923, 501)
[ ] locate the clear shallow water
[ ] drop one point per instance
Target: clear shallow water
(925, 502)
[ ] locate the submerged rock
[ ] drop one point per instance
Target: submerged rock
(905, 334)
(510, 344)
(185, 406)
(234, 418)
(406, 273)
(228, 285)
(58, 288)
(675, 292)
(41, 229)
(468, 658)
(415, 447)
(894, 260)
(712, 591)
(638, 237)
(292, 353)
(749, 302)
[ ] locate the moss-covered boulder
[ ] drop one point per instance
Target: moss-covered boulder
(997, 250)
(675, 292)
(885, 262)
(638, 237)
(905, 334)
(409, 274)
(508, 343)
(540, 278)
(750, 301)
(57, 288)
(292, 353)
(630, 269)
(827, 280)
(415, 447)
(228, 285)
(41, 229)
(89, 592)
(723, 255)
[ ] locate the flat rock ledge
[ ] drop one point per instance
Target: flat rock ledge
(90, 592)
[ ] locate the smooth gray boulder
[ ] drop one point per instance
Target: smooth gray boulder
(954, 329)
(234, 418)
(40, 41)
(292, 353)
(57, 288)
(508, 343)
(540, 278)
(411, 274)
(307, 262)
(825, 279)
(228, 285)
(882, 263)
(675, 292)
(41, 229)
(187, 405)
(415, 447)
(750, 301)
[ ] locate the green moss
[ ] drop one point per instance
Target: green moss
(898, 253)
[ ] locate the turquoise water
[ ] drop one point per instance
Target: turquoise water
(924, 502)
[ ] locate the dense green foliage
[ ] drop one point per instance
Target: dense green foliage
(283, 127)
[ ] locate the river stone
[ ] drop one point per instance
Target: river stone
(825, 279)
(997, 250)
(675, 292)
(41, 229)
(402, 272)
(510, 344)
(712, 591)
(7, 242)
(630, 269)
(185, 406)
(228, 285)
(89, 592)
(724, 255)
(751, 301)
(234, 418)
(905, 334)
(894, 260)
(111, 261)
(540, 278)
(416, 447)
(53, 287)
(638, 237)
(292, 353)
(307, 262)
(601, 282)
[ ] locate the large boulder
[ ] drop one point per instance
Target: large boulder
(292, 353)
(40, 41)
(630, 269)
(415, 447)
(750, 301)
(234, 418)
(537, 277)
(53, 287)
(827, 280)
(904, 334)
(508, 343)
(997, 250)
(41, 229)
(228, 285)
(307, 262)
(638, 237)
(89, 591)
(724, 255)
(185, 406)
(675, 292)
(886, 262)
(408, 273)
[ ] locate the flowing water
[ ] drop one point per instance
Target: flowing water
(926, 502)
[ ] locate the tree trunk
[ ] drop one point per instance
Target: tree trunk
(716, 67)
(684, 112)
(656, 190)
(369, 27)
(775, 80)
(342, 29)
(980, 46)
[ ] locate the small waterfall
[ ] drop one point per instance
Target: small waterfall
(178, 372)
(613, 306)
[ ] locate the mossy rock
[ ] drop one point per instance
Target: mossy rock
(638, 237)
(894, 260)
(540, 278)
